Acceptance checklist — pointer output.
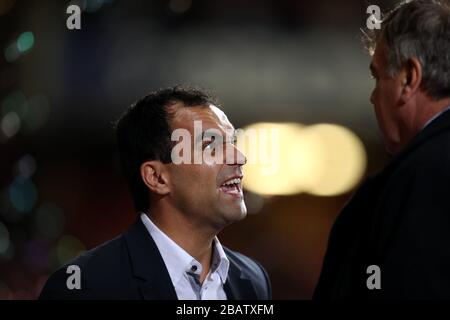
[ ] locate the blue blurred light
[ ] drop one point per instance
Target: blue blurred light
(25, 41)
(7, 211)
(23, 194)
(15, 102)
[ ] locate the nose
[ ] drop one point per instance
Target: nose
(235, 157)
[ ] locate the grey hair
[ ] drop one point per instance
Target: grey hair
(419, 29)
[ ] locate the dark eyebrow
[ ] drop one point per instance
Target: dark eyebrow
(205, 134)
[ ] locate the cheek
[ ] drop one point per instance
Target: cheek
(375, 98)
(382, 96)
(194, 179)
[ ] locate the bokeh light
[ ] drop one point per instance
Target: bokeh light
(11, 53)
(10, 124)
(23, 194)
(267, 147)
(25, 42)
(25, 167)
(22, 45)
(15, 102)
(322, 159)
(9, 253)
(343, 160)
(49, 220)
(68, 247)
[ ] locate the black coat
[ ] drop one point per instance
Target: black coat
(398, 220)
(131, 267)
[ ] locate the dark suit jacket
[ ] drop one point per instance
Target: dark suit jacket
(131, 267)
(400, 221)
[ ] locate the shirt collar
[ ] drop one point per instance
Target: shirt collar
(178, 261)
(435, 116)
(220, 262)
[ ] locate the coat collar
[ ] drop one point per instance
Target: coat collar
(436, 127)
(155, 283)
(238, 286)
(380, 220)
(148, 265)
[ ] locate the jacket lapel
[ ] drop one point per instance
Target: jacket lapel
(237, 286)
(152, 275)
(147, 265)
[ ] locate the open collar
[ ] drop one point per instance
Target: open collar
(154, 280)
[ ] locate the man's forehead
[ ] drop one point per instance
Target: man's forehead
(209, 116)
(219, 113)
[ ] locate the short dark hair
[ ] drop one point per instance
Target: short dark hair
(419, 29)
(144, 132)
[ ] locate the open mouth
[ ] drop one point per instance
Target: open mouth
(232, 186)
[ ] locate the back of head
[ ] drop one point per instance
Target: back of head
(419, 29)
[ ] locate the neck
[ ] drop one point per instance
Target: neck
(416, 116)
(431, 109)
(194, 239)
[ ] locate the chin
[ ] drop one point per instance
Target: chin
(242, 209)
(393, 148)
(236, 214)
(243, 214)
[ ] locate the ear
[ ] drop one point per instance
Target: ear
(155, 177)
(411, 79)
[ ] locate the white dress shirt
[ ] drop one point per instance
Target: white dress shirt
(184, 270)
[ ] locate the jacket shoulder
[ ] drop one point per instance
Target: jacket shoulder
(100, 271)
(433, 152)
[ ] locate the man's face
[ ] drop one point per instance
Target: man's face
(386, 99)
(205, 191)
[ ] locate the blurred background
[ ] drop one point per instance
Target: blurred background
(285, 62)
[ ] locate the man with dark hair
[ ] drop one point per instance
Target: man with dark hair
(392, 239)
(172, 251)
